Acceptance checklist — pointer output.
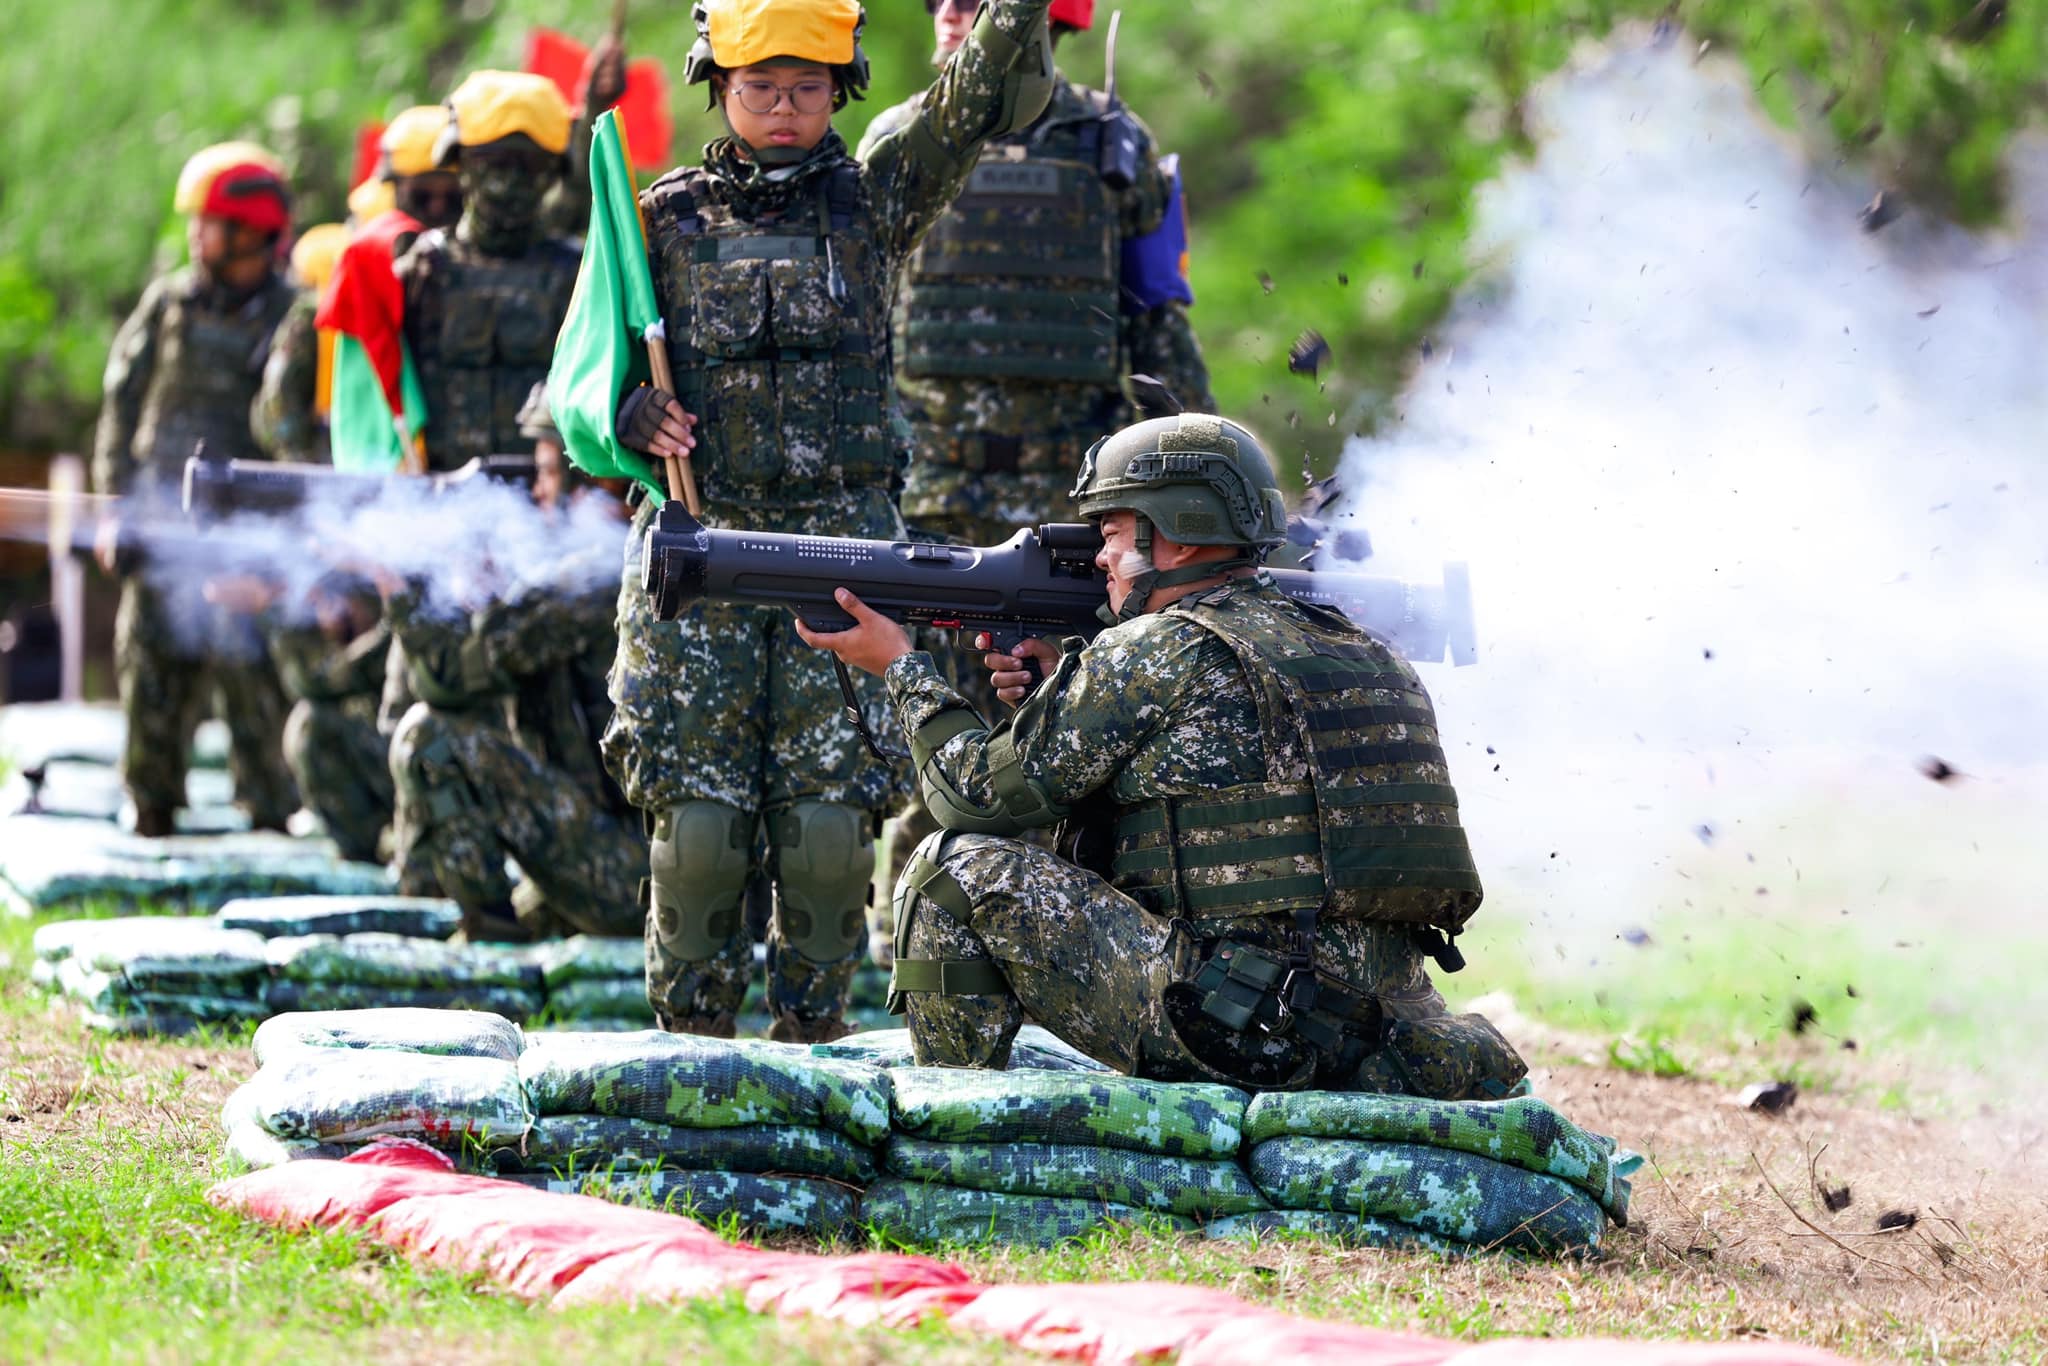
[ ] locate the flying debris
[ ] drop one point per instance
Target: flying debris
(1309, 354)
(1938, 769)
(1880, 212)
(1266, 281)
(1770, 1097)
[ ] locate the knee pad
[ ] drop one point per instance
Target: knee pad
(698, 862)
(824, 867)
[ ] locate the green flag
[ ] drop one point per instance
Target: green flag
(601, 351)
(359, 425)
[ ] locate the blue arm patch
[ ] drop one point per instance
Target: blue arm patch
(1155, 266)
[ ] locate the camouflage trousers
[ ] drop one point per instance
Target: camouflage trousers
(1077, 956)
(342, 766)
(469, 798)
(977, 509)
(728, 705)
(176, 655)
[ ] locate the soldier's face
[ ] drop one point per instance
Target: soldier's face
(1119, 558)
(784, 125)
(952, 21)
(502, 193)
(433, 197)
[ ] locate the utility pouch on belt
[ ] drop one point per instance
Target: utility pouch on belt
(1244, 989)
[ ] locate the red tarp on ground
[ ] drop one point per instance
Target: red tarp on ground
(578, 1250)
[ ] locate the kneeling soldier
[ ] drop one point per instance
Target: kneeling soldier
(1260, 841)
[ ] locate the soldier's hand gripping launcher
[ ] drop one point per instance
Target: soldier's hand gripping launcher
(1040, 582)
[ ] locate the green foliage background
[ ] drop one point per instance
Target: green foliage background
(1331, 147)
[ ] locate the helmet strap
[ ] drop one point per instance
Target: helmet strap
(1154, 579)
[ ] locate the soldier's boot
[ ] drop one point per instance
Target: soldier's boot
(155, 822)
(824, 860)
(498, 923)
(699, 956)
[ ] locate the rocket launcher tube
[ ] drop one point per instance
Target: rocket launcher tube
(1040, 582)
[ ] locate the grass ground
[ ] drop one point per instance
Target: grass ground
(108, 1250)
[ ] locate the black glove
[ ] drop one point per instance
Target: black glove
(639, 416)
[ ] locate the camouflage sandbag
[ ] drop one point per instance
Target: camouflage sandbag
(280, 917)
(1456, 1195)
(390, 960)
(158, 949)
(585, 957)
(48, 862)
(450, 1033)
(1525, 1133)
(775, 1204)
(568, 1145)
(343, 1094)
(514, 1003)
(1035, 1048)
(949, 1105)
(1118, 1176)
(701, 1083)
(1349, 1229)
(604, 998)
(202, 1000)
(919, 1213)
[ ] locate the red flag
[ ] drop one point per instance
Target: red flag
(367, 152)
(365, 301)
(643, 109)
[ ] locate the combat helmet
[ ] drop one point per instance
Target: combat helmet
(736, 33)
(238, 181)
(508, 107)
(1198, 480)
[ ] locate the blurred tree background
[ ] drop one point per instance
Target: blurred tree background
(1331, 147)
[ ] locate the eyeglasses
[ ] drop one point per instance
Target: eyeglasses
(763, 97)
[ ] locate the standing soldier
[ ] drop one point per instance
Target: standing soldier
(1056, 273)
(484, 301)
(773, 263)
(184, 370)
(289, 417)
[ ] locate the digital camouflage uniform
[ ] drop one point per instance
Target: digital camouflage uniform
(285, 419)
(482, 777)
(185, 369)
(1261, 837)
(1013, 329)
(331, 742)
(775, 288)
(1160, 743)
(482, 306)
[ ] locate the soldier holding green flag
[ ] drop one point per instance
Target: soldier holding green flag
(771, 270)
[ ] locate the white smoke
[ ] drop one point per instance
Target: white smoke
(1753, 501)
(462, 548)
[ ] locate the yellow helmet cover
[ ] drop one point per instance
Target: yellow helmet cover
(407, 147)
(490, 105)
(744, 32)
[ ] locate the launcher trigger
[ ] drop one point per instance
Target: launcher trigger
(1006, 642)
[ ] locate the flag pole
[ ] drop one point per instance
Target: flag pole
(682, 480)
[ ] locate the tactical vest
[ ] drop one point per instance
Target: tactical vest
(1356, 818)
(1021, 278)
(209, 367)
(777, 340)
(482, 332)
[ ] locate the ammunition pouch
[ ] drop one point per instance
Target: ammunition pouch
(1245, 989)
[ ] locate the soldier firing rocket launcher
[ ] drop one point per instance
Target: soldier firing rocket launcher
(1038, 583)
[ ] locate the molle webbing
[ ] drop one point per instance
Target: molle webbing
(1370, 833)
(1019, 280)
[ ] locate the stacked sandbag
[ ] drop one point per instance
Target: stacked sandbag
(50, 862)
(1396, 1170)
(676, 1119)
(596, 984)
(1032, 1157)
(366, 971)
(153, 974)
(288, 917)
(1035, 1048)
(328, 1084)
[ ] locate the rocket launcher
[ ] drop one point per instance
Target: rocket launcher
(1041, 582)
